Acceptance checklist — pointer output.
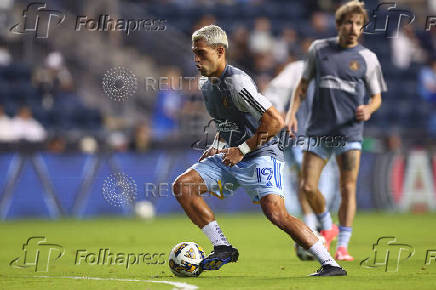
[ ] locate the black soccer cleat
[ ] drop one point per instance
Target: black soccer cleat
(221, 255)
(330, 270)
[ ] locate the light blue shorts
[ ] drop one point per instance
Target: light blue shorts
(325, 152)
(259, 176)
(294, 156)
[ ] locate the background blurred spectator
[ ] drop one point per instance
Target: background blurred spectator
(427, 89)
(427, 81)
(53, 77)
(25, 127)
(5, 56)
(261, 40)
(406, 48)
(6, 133)
(141, 138)
(168, 104)
(288, 41)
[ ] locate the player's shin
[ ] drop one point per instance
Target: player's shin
(215, 234)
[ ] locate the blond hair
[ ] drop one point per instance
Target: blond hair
(352, 7)
(212, 34)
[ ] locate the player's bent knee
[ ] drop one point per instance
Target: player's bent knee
(187, 186)
(181, 187)
(348, 189)
(308, 189)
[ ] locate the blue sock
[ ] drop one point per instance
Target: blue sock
(325, 220)
(344, 236)
(310, 220)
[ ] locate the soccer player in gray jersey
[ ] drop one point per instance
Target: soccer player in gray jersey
(245, 153)
(342, 69)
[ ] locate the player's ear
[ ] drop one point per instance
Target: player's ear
(220, 50)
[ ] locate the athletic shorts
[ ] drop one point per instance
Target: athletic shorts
(259, 176)
(325, 152)
(294, 155)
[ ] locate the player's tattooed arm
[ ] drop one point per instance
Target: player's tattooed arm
(300, 94)
(271, 123)
(364, 112)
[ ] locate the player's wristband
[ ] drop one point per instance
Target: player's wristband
(217, 144)
(244, 148)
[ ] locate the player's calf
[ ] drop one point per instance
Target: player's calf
(187, 189)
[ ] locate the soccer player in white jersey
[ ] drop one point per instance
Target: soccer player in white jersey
(245, 153)
(280, 91)
(342, 69)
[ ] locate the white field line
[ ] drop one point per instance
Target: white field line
(177, 285)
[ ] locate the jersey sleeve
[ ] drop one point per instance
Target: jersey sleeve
(246, 97)
(309, 63)
(374, 80)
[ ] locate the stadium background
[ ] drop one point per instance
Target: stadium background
(56, 82)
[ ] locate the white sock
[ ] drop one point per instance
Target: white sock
(310, 220)
(325, 220)
(215, 235)
(321, 254)
(344, 236)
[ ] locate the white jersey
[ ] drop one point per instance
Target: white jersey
(281, 89)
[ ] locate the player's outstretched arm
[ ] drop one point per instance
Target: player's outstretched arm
(364, 112)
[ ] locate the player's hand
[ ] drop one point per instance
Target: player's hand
(292, 125)
(232, 156)
(209, 152)
(363, 113)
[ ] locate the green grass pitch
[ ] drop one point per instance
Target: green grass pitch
(267, 259)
